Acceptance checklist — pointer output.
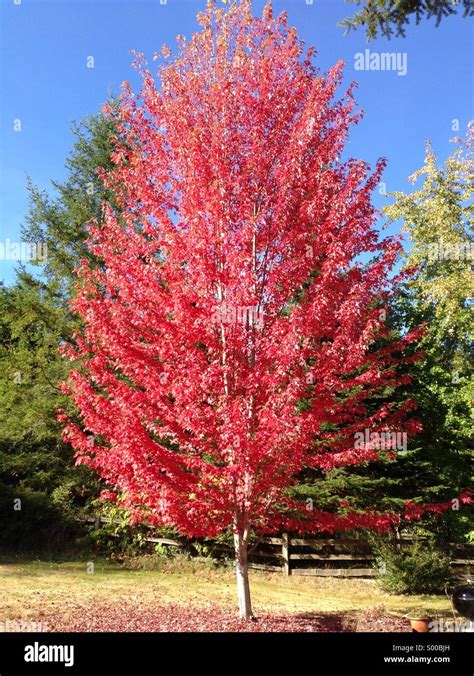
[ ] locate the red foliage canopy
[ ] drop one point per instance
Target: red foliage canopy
(240, 276)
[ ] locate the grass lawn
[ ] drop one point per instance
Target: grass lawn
(38, 590)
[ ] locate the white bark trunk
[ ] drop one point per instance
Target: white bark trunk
(242, 574)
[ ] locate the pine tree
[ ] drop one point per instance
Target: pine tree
(36, 466)
(391, 17)
(437, 463)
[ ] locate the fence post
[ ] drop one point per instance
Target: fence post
(285, 551)
(97, 523)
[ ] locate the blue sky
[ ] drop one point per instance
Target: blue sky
(46, 83)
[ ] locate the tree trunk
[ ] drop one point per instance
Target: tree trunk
(242, 573)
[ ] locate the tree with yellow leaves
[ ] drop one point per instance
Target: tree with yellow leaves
(438, 218)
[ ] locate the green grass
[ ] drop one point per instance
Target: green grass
(30, 588)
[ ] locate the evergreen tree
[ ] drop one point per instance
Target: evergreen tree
(439, 219)
(36, 466)
(437, 463)
(392, 16)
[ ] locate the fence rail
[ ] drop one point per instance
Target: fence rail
(321, 557)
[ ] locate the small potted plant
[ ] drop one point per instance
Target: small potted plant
(419, 620)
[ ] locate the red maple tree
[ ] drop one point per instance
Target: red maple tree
(234, 329)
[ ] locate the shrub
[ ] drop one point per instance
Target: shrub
(420, 568)
(35, 525)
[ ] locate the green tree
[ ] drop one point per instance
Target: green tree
(59, 220)
(392, 16)
(35, 465)
(439, 219)
(437, 463)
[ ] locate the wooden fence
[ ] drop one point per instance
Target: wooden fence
(317, 556)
